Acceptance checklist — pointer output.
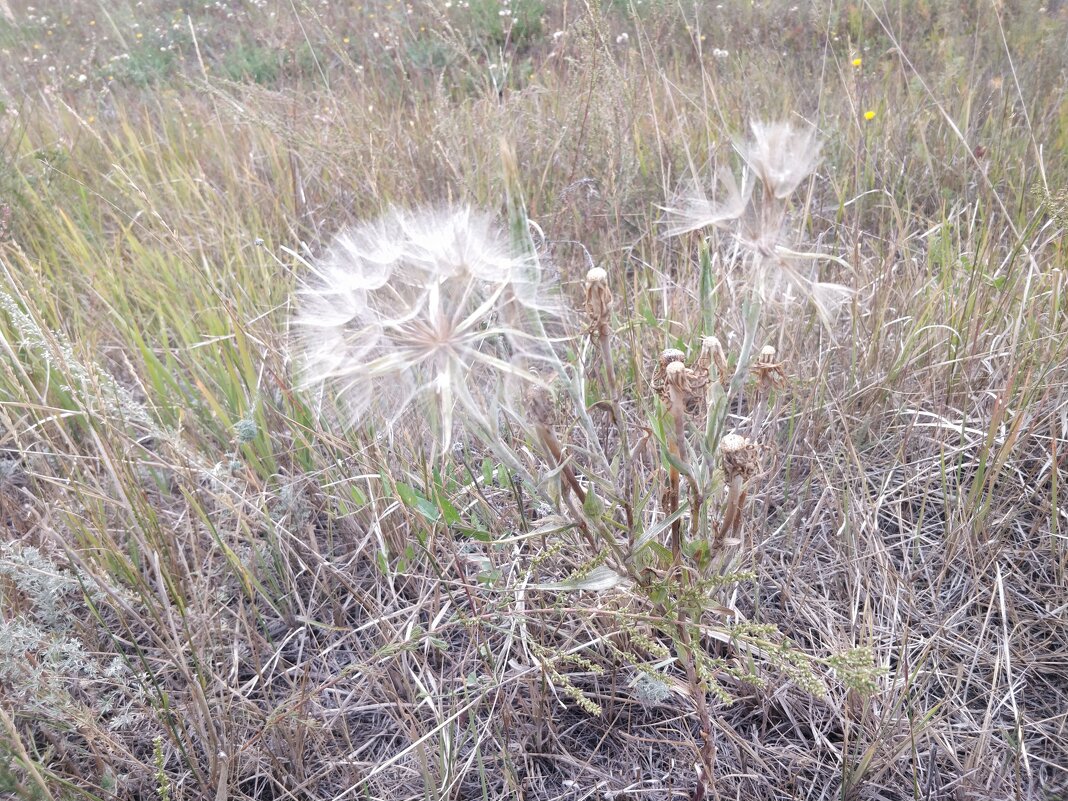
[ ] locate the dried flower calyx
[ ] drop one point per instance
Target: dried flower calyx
(713, 355)
(768, 370)
(741, 457)
(598, 300)
(668, 356)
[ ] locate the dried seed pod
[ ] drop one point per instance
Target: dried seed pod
(598, 299)
(713, 355)
(541, 405)
(668, 356)
(676, 388)
(741, 457)
(769, 372)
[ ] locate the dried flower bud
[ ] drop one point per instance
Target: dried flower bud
(741, 457)
(670, 355)
(681, 387)
(712, 355)
(667, 357)
(540, 401)
(769, 373)
(598, 299)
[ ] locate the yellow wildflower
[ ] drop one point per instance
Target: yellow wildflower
(869, 115)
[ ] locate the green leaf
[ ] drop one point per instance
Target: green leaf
(410, 498)
(592, 506)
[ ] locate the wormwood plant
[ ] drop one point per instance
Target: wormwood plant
(432, 329)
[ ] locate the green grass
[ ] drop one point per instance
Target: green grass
(293, 610)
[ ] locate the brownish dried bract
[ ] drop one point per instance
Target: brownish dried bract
(741, 457)
(667, 357)
(769, 372)
(540, 404)
(681, 388)
(598, 300)
(741, 461)
(713, 355)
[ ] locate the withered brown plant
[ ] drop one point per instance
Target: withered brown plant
(741, 461)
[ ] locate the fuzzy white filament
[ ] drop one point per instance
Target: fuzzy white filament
(416, 316)
(781, 155)
(778, 157)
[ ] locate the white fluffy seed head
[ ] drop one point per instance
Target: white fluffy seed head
(781, 156)
(418, 315)
(596, 275)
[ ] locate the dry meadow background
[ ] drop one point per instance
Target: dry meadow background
(208, 591)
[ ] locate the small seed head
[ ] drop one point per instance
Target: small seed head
(670, 355)
(769, 373)
(667, 357)
(741, 457)
(713, 355)
(598, 299)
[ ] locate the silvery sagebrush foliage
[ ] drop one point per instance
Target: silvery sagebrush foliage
(47, 670)
(777, 158)
(418, 318)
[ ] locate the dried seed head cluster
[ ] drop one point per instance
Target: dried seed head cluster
(713, 355)
(667, 357)
(681, 388)
(417, 315)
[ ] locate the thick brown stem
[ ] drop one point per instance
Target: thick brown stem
(708, 748)
(673, 507)
(732, 512)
